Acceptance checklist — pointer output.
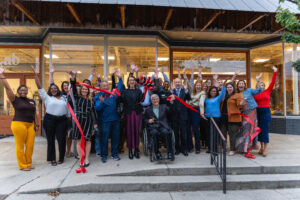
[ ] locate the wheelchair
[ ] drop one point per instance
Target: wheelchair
(147, 145)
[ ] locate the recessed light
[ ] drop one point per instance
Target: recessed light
(109, 57)
(162, 58)
(48, 56)
(214, 59)
(261, 60)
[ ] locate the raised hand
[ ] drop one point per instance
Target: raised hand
(1, 69)
(172, 98)
(162, 70)
(185, 86)
(156, 73)
(51, 69)
(105, 78)
(259, 76)
(73, 74)
(243, 101)
(237, 72)
(114, 71)
(183, 71)
(215, 76)
(132, 66)
(274, 69)
(93, 72)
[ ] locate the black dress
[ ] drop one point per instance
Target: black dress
(86, 115)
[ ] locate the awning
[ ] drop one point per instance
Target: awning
(267, 6)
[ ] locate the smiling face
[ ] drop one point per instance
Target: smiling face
(204, 88)
(213, 92)
(241, 86)
(177, 83)
(198, 87)
(229, 89)
(261, 85)
(166, 85)
(155, 101)
(84, 91)
(54, 90)
(104, 85)
(131, 82)
(65, 87)
(23, 91)
(208, 82)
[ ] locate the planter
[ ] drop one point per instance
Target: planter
(296, 65)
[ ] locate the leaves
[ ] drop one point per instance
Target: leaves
(296, 65)
(289, 20)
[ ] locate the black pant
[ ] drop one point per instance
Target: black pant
(122, 133)
(211, 129)
(157, 132)
(203, 132)
(179, 128)
(55, 126)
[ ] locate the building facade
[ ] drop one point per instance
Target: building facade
(102, 35)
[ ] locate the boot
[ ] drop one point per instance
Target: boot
(137, 153)
(130, 155)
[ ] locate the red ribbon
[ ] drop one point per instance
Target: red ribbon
(182, 102)
(115, 92)
(147, 86)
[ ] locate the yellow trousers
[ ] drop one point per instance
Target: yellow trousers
(24, 136)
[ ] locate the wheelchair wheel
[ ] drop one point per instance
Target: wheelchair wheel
(145, 142)
(173, 141)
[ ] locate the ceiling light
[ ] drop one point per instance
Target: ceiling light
(291, 49)
(261, 60)
(48, 56)
(79, 72)
(109, 57)
(214, 59)
(162, 58)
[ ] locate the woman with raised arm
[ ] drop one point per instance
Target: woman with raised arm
(263, 111)
(23, 123)
(54, 121)
(243, 143)
(132, 97)
(86, 116)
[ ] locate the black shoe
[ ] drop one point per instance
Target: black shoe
(208, 151)
(137, 153)
(177, 153)
(53, 163)
(158, 156)
(130, 155)
(86, 165)
(171, 156)
(185, 153)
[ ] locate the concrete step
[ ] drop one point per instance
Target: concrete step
(108, 184)
(210, 171)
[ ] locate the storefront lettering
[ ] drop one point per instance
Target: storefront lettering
(13, 60)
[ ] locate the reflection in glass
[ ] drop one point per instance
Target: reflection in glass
(262, 60)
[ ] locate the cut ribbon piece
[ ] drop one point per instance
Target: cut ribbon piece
(148, 85)
(182, 102)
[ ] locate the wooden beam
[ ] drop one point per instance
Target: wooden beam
(122, 10)
(168, 18)
(212, 19)
(74, 13)
(20, 7)
(281, 29)
(252, 22)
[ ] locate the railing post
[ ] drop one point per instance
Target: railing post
(211, 140)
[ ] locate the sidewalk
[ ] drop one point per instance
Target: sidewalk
(283, 154)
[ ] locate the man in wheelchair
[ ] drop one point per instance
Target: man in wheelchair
(156, 121)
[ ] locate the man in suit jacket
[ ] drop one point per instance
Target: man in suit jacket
(180, 117)
(155, 118)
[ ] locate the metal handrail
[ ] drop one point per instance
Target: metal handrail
(218, 151)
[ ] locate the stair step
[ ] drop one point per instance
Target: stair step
(79, 184)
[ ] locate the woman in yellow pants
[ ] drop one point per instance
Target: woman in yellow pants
(23, 123)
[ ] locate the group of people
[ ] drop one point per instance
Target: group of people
(122, 112)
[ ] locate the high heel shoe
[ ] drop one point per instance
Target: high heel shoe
(130, 155)
(137, 153)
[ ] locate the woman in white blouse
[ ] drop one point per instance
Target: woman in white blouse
(55, 120)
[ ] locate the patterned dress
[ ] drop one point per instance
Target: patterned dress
(86, 115)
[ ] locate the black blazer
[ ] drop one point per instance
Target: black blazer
(131, 99)
(162, 120)
(180, 112)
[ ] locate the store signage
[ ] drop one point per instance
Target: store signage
(11, 60)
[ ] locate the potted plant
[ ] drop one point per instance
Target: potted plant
(296, 65)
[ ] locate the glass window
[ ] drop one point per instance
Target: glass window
(292, 79)
(222, 63)
(77, 53)
(262, 60)
(124, 50)
(19, 60)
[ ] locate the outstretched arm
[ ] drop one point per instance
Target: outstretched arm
(37, 81)
(9, 92)
(51, 72)
(271, 86)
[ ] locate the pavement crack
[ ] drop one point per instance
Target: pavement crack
(171, 196)
(16, 190)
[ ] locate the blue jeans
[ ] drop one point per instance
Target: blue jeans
(112, 127)
(98, 139)
(195, 117)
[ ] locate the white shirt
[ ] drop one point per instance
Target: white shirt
(54, 106)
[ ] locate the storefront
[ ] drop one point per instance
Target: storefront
(103, 36)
